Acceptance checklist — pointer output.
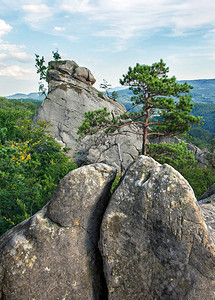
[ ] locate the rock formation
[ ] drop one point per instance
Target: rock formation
(70, 95)
(153, 218)
(154, 242)
(58, 70)
(54, 254)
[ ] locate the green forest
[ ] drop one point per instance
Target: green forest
(31, 163)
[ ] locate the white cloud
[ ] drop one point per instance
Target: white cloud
(133, 17)
(17, 72)
(80, 6)
(16, 52)
(35, 13)
(122, 19)
(4, 27)
(36, 9)
(59, 29)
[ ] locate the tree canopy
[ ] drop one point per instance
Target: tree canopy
(164, 106)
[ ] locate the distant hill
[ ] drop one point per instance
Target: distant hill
(203, 92)
(207, 111)
(31, 96)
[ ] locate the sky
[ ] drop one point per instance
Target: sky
(106, 36)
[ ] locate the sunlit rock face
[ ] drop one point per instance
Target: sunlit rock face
(154, 241)
(69, 97)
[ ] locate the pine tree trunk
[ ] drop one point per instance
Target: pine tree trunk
(144, 140)
(145, 131)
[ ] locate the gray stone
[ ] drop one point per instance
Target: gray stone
(154, 241)
(54, 254)
(64, 107)
(207, 206)
(84, 75)
(202, 159)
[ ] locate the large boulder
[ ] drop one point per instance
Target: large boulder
(69, 97)
(154, 241)
(54, 254)
(84, 75)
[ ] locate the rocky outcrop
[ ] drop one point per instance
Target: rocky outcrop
(54, 254)
(58, 70)
(69, 97)
(84, 75)
(154, 243)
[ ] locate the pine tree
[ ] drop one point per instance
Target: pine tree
(164, 105)
(106, 86)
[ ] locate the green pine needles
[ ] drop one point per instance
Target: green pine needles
(42, 69)
(164, 106)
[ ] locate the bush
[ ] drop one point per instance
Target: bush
(31, 166)
(101, 95)
(115, 183)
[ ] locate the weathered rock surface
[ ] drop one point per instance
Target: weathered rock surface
(207, 206)
(84, 75)
(58, 70)
(64, 107)
(154, 241)
(54, 254)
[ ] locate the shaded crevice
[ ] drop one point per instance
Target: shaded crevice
(54, 222)
(99, 285)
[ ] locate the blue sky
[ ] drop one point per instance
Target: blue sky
(107, 36)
